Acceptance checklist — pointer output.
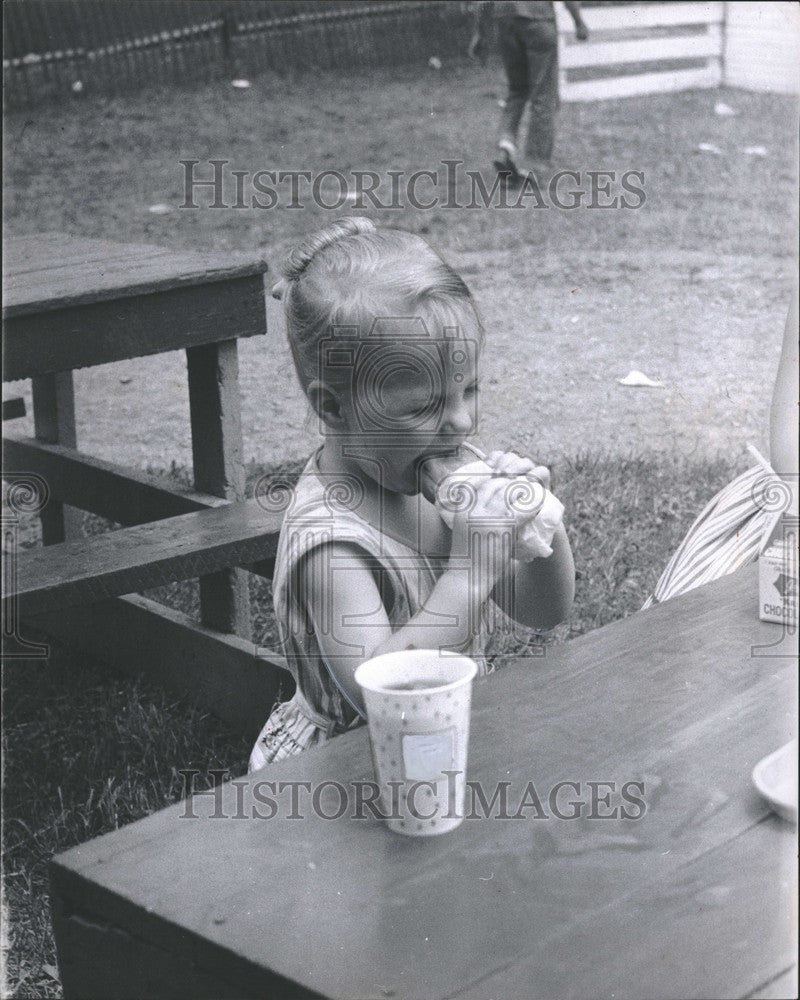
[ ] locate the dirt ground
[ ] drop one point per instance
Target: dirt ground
(692, 288)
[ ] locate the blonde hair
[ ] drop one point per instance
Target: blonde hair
(350, 274)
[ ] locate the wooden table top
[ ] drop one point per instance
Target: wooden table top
(46, 271)
(71, 302)
(694, 899)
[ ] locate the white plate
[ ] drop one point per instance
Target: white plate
(776, 779)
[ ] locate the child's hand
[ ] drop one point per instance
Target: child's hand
(508, 463)
(483, 516)
(478, 525)
(478, 48)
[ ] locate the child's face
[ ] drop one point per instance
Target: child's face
(414, 396)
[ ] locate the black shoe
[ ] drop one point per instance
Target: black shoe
(506, 169)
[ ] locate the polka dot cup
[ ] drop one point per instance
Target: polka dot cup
(418, 704)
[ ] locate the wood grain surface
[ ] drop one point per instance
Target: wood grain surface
(132, 326)
(127, 496)
(144, 556)
(45, 271)
(691, 899)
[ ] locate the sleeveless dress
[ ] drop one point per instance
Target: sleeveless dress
(320, 512)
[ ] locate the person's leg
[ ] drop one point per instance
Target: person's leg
(542, 49)
(511, 41)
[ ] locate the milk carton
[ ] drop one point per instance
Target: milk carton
(777, 574)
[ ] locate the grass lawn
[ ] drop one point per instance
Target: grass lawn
(692, 288)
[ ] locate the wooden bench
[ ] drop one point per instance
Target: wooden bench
(74, 591)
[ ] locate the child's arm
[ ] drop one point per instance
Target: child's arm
(344, 603)
(543, 589)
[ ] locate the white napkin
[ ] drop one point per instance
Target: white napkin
(535, 538)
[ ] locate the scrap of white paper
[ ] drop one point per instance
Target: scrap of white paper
(724, 110)
(637, 378)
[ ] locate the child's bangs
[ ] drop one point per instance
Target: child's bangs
(446, 316)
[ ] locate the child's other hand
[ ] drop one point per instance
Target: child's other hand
(508, 463)
(478, 48)
(478, 526)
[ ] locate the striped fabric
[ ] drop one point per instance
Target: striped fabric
(729, 533)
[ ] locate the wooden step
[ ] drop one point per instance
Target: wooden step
(135, 559)
(127, 496)
(13, 408)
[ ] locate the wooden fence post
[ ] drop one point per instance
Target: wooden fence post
(228, 29)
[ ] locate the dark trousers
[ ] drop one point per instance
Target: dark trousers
(529, 49)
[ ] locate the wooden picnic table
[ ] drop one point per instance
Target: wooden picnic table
(693, 899)
(71, 302)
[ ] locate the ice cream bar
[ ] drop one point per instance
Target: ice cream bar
(534, 540)
(436, 469)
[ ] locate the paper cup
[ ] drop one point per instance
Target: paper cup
(418, 704)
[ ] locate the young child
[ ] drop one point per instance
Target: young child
(386, 341)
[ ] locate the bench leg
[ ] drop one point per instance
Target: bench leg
(54, 422)
(214, 406)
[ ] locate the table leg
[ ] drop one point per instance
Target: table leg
(214, 408)
(54, 422)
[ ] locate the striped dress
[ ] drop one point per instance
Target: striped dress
(729, 533)
(320, 513)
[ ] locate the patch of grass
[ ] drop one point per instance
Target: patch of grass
(692, 288)
(86, 751)
(69, 173)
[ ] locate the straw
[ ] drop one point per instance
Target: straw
(771, 521)
(760, 459)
